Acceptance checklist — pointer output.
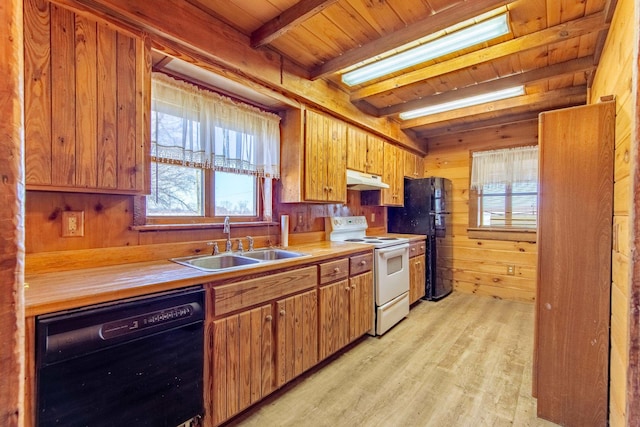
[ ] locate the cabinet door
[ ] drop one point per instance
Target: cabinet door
(297, 335)
(417, 278)
(393, 175)
(413, 165)
(356, 149)
(360, 305)
(325, 159)
(375, 155)
(334, 317)
(242, 362)
(86, 95)
(336, 151)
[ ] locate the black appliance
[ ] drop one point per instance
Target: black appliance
(426, 211)
(137, 362)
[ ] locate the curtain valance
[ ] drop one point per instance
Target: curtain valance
(504, 166)
(196, 127)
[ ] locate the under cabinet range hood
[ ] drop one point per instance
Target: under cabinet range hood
(364, 181)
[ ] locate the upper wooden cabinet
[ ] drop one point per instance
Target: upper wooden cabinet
(314, 152)
(393, 175)
(87, 88)
(365, 152)
(413, 165)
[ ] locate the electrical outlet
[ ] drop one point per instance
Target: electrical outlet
(511, 270)
(72, 223)
(373, 217)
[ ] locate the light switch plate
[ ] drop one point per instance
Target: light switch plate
(72, 223)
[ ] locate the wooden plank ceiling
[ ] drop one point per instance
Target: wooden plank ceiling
(553, 49)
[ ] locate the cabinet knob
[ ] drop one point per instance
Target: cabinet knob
(353, 287)
(417, 262)
(347, 289)
(413, 249)
(336, 270)
(282, 312)
(363, 262)
(421, 247)
(268, 318)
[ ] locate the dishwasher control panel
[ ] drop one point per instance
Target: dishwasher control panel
(147, 320)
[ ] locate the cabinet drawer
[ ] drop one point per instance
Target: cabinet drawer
(417, 248)
(334, 270)
(236, 296)
(360, 263)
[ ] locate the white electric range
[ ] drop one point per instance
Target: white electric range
(390, 268)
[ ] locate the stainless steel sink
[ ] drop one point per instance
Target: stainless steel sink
(272, 254)
(216, 262)
(233, 261)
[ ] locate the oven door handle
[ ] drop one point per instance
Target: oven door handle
(393, 251)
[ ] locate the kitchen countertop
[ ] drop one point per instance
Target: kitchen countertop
(51, 292)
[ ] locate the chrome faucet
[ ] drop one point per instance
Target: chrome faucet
(250, 239)
(227, 229)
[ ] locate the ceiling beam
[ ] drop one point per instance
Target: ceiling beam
(558, 33)
(454, 14)
(556, 70)
(531, 102)
(459, 127)
(287, 20)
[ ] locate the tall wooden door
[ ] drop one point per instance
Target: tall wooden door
(574, 264)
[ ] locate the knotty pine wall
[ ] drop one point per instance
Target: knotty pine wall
(480, 266)
(614, 76)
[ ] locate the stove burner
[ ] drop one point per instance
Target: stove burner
(388, 238)
(354, 240)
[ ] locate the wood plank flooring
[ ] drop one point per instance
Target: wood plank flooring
(463, 361)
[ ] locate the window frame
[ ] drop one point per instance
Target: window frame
(209, 204)
(508, 233)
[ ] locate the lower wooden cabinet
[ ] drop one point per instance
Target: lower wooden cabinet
(242, 361)
(297, 335)
(417, 278)
(360, 305)
(334, 317)
(345, 312)
(263, 332)
(417, 271)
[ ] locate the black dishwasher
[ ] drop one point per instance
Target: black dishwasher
(137, 362)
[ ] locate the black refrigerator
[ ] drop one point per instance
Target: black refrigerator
(426, 211)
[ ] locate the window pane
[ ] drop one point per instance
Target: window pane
(235, 194)
(176, 191)
(524, 204)
(493, 211)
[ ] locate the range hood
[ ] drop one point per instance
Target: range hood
(364, 181)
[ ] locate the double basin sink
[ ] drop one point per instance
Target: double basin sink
(236, 260)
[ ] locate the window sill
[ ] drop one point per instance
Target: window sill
(512, 234)
(198, 226)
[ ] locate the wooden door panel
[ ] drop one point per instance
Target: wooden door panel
(574, 264)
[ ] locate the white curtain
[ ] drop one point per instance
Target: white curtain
(505, 166)
(196, 127)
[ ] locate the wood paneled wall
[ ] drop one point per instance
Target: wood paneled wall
(12, 354)
(480, 266)
(615, 77)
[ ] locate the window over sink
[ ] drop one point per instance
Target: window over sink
(211, 156)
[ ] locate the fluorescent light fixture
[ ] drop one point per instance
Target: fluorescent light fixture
(470, 36)
(464, 102)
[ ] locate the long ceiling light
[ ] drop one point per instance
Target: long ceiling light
(470, 36)
(464, 102)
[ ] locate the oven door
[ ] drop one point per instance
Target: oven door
(391, 272)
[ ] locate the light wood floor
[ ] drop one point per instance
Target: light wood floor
(463, 361)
